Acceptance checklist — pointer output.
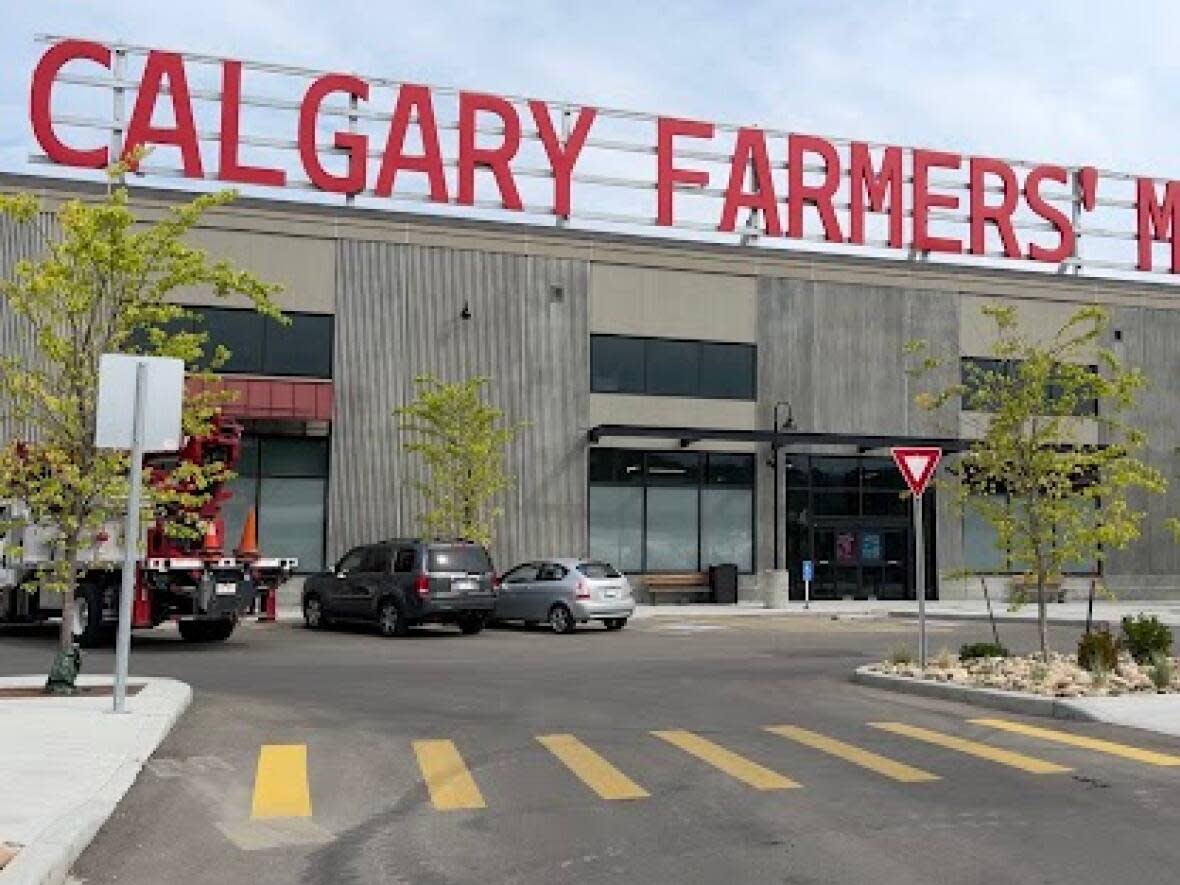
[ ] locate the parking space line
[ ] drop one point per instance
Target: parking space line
(451, 785)
(280, 782)
(591, 768)
(898, 771)
(748, 772)
(1148, 757)
(973, 748)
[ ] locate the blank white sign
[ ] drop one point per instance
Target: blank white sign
(163, 396)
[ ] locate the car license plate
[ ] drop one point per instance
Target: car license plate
(227, 589)
(611, 594)
(464, 586)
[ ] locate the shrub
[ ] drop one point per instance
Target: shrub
(1161, 670)
(899, 654)
(1098, 652)
(1144, 637)
(945, 659)
(974, 650)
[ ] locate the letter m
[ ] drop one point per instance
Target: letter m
(1158, 223)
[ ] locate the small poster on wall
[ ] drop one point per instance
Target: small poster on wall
(846, 548)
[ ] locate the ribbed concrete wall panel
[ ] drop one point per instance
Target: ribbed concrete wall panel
(399, 315)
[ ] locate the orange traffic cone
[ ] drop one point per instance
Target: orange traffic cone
(213, 537)
(248, 545)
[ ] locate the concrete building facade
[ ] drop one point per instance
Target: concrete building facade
(646, 370)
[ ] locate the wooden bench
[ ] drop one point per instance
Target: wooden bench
(677, 582)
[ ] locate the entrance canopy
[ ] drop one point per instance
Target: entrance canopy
(779, 438)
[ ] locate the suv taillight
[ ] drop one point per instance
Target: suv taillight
(422, 585)
(582, 591)
(497, 583)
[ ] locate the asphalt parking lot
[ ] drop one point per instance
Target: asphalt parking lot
(697, 750)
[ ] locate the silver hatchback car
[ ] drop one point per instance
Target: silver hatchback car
(564, 593)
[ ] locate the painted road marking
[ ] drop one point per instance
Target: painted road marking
(739, 767)
(1149, 757)
(593, 770)
(280, 782)
(450, 783)
(864, 758)
(973, 748)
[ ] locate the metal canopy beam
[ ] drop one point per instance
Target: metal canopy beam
(779, 438)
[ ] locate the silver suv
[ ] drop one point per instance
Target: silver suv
(403, 582)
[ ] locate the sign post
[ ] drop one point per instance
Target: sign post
(917, 465)
(808, 577)
(157, 392)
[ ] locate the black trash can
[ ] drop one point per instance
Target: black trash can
(723, 581)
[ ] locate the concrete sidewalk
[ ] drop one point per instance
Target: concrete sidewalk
(66, 762)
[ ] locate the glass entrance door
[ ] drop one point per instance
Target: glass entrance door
(861, 562)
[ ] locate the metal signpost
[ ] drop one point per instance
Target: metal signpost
(808, 577)
(917, 465)
(147, 421)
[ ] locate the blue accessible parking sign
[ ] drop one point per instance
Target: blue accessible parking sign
(808, 570)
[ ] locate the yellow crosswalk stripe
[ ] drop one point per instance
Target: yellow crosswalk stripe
(280, 782)
(451, 785)
(856, 755)
(739, 767)
(593, 770)
(1149, 757)
(973, 748)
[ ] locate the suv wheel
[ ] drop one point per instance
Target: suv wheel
(313, 613)
(561, 620)
(390, 620)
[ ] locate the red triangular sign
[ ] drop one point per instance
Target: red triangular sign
(917, 465)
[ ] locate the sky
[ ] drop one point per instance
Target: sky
(1078, 82)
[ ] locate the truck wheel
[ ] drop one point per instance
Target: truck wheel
(88, 626)
(471, 624)
(194, 631)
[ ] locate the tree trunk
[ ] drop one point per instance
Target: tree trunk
(63, 673)
(1042, 611)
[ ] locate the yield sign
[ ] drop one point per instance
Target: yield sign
(917, 465)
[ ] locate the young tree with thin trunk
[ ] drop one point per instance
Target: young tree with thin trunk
(1052, 497)
(461, 440)
(100, 282)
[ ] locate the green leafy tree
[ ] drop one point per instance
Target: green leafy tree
(1051, 497)
(100, 283)
(461, 440)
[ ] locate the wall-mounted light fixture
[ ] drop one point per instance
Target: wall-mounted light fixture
(465, 313)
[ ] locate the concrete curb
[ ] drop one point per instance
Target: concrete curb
(48, 859)
(1005, 619)
(996, 699)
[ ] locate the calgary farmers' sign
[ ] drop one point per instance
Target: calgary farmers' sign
(377, 139)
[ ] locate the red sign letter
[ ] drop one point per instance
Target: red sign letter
(750, 147)
(41, 98)
(821, 197)
(562, 159)
(230, 168)
(668, 174)
(355, 143)
(1053, 215)
(1157, 224)
(1001, 215)
(864, 183)
(924, 161)
(495, 159)
(416, 100)
(170, 66)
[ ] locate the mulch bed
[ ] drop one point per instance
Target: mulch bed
(84, 691)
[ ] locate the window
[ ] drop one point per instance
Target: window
(598, 570)
(672, 367)
(459, 558)
(404, 561)
(350, 561)
(522, 574)
(671, 511)
(551, 571)
(981, 376)
(376, 561)
(258, 345)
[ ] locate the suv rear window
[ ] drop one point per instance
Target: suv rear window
(594, 570)
(469, 558)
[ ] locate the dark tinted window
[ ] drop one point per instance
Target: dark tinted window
(595, 570)
(730, 470)
(377, 559)
(302, 348)
(843, 472)
(672, 468)
(616, 467)
(727, 371)
(616, 364)
(294, 456)
(459, 558)
(522, 574)
(350, 560)
(673, 368)
(404, 562)
(551, 571)
(240, 332)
